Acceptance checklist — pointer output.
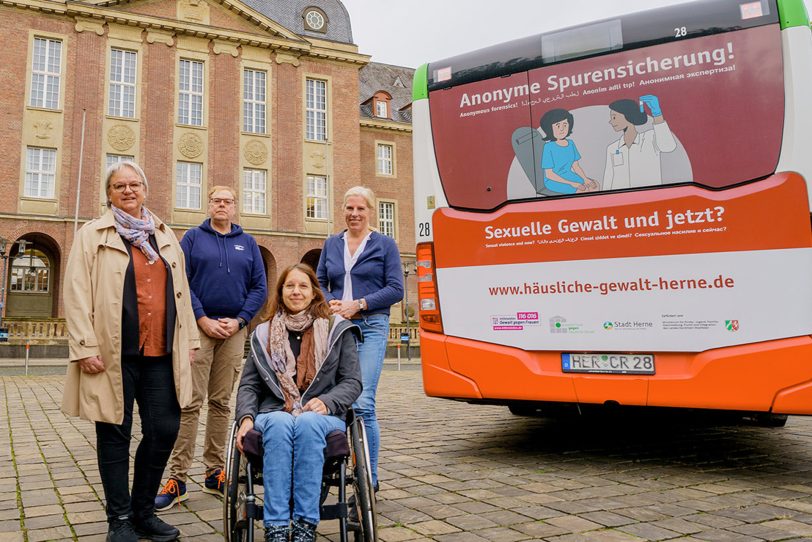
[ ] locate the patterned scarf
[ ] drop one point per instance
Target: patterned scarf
(137, 231)
(286, 367)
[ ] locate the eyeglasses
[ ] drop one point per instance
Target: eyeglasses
(218, 201)
(122, 187)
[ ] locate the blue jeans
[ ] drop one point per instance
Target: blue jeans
(294, 460)
(370, 355)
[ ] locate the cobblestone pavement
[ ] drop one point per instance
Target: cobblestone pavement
(457, 472)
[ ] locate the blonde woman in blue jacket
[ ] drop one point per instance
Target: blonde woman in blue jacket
(360, 273)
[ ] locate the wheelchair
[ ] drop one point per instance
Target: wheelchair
(346, 464)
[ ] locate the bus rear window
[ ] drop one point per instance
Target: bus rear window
(582, 41)
(707, 110)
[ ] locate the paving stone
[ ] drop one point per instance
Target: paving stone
(37, 511)
(434, 527)
(790, 526)
(762, 532)
(607, 519)
(54, 533)
(396, 534)
(574, 524)
(718, 535)
(470, 522)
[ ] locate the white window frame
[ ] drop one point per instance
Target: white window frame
(22, 280)
(381, 109)
(254, 101)
(387, 220)
(46, 72)
(385, 165)
(123, 81)
(188, 185)
(316, 109)
(316, 198)
(40, 173)
(191, 85)
(254, 191)
(111, 159)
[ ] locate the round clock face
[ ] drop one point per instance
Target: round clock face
(314, 20)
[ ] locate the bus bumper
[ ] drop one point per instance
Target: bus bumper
(772, 376)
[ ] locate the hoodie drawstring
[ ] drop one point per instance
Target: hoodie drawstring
(224, 252)
(228, 267)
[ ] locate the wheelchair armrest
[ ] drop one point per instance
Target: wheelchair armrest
(252, 446)
(337, 445)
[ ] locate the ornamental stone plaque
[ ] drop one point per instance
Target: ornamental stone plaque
(121, 137)
(190, 145)
(255, 152)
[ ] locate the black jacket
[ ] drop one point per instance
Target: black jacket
(337, 383)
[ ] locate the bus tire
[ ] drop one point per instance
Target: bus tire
(523, 409)
(767, 419)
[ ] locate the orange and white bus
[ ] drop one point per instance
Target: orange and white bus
(619, 213)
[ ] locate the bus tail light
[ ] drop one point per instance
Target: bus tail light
(430, 318)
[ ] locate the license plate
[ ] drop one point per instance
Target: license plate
(623, 364)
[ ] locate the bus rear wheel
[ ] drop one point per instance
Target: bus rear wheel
(524, 409)
(767, 419)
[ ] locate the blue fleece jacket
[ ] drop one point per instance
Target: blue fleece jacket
(376, 275)
(226, 273)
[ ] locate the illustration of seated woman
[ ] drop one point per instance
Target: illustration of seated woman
(634, 159)
(559, 159)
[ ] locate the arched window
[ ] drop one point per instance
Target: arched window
(30, 272)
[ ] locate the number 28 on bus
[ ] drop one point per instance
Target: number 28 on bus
(619, 213)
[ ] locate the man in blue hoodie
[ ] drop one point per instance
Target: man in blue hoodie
(228, 287)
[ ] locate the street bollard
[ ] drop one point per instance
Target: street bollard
(398, 356)
(27, 348)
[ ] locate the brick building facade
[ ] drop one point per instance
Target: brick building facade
(262, 96)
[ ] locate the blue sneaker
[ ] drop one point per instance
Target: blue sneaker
(174, 492)
(215, 482)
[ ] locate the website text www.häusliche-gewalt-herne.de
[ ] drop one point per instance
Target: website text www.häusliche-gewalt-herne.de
(640, 284)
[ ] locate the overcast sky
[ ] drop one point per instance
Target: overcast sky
(419, 31)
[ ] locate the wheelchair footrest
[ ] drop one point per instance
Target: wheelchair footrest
(334, 511)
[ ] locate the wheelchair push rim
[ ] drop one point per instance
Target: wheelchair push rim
(236, 526)
(362, 484)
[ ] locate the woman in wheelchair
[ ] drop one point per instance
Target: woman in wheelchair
(299, 381)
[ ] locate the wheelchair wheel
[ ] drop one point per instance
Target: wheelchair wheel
(237, 526)
(362, 483)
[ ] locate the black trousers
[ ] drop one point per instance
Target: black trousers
(150, 382)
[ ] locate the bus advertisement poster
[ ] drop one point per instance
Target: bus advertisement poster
(677, 272)
(664, 114)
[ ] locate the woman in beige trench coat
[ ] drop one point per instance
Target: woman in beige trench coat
(132, 336)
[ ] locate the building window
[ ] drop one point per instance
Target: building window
(46, 72)
(189, 180)
(190, 98)
(316, 198)
(254, 191)
(316, 110)
(315, 20)
(122, 83)
(111, 159)
(40, 173)
(385, 155)
(381, 109)
(30, 272)
(253, 105)
(386, 218)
